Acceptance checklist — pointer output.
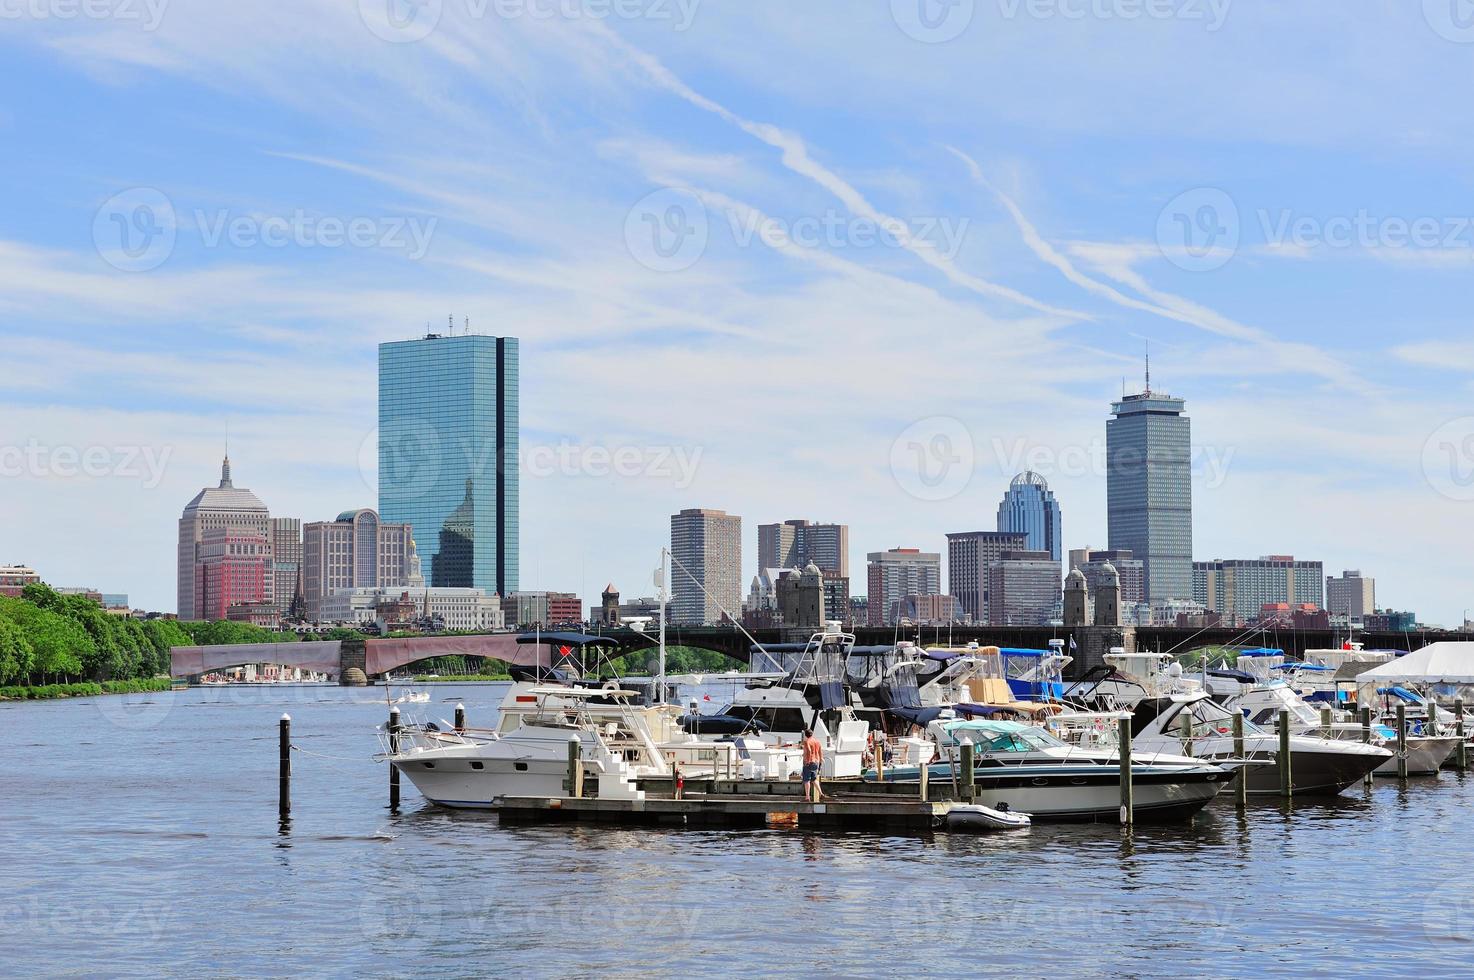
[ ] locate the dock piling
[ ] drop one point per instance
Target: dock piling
(1461, 754)
(1187, 733)
(1325, 722)
(923, 774)
(460, 717)
(1366, 737)
(1283, 760)
(393, 750)
(1402, 741)
(1128, 804)
(575, 770)
(968, 776)
(1241, 780)
(284, 771)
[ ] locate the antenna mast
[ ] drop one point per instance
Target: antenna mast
(1148, 367)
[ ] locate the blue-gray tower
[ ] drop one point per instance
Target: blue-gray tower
(1149, 493)
(448, 455)
(1029, 508)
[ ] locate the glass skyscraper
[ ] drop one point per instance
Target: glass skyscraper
(1149, 496)
(1029, 508)
(448, 455)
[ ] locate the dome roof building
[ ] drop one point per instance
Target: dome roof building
(225, 506)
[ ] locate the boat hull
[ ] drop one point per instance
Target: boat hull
(453, 782)
(1425, 756)
(1313, 773)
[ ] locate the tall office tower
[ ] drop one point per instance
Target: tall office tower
(356, 551)
(233, 568)
(1029, 506)
(1240, 588)
(1351, 594)
(448, 455)
(1149, 489)
(708, 546)
(286, 564)
(895, 574)
(968, 556)
(223, 506)
(796, 543)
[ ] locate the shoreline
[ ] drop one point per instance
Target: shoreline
(82, 689)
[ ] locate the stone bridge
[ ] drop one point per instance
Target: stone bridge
(376, 657)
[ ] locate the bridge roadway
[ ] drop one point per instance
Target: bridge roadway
(378, 656)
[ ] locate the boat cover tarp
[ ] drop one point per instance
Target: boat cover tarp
(1446, 662)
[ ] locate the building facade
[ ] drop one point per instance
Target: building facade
(707, 544)
(526, 610)
(286, 565)
(1239, 589)
(1130, 572)
(456, 609)
(895, 574)
(448, 444)
(217, 508)
(1149, 489)
(14, 579)
(926, 610)
(356, 551)
(796, 543)
(232, 568)
(1351, 595)
(968, 555)
(1029, 508)
(1023, 588)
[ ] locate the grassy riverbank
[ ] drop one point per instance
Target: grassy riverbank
(82, 689)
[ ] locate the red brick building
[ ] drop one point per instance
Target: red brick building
(233, 569)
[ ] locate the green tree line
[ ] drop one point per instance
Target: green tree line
(47, 637)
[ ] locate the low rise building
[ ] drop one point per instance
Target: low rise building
(1023, 588)
(457, 609)
(14, 578)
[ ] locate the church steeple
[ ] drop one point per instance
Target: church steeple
(225, 474)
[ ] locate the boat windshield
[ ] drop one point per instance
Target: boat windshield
(1211, 715)
(1011, 740)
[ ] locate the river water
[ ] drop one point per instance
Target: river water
(140, 837)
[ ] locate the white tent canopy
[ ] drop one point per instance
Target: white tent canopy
(1436, 663)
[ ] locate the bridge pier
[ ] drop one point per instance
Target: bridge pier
(352, 664)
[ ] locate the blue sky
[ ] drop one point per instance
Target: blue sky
(790, 241)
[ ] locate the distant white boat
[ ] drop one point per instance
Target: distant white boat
(412, 697)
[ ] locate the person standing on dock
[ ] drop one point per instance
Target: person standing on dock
(813, 757)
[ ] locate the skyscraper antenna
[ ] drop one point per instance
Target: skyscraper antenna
(450, 322)
(1148, 367)
(468, 326)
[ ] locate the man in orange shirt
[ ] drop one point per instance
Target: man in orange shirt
(813, 757)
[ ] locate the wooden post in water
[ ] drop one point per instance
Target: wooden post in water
(1401, 741)
(923, 774)
(1461, 754)
(880, 758)
(969, 778)
(1283, 761)
(393, 750)
(1432, 731)
(1366, 737)
(1241, 781)
(1128, 803)
(284, 767)
(575, 769)
(1325, 722)
(460, 717)
(1187, 733)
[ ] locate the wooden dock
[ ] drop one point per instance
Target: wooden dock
(734, 809)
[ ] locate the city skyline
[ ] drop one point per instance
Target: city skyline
(1328, 374)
